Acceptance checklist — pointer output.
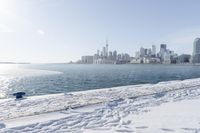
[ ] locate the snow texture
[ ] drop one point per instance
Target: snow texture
(118, 109)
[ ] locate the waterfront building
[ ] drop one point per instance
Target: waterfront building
(97, 52)
(167, 58)
(153, 51)
(145, 52)
(149, 60)
(136, 61)
(104, 61)
(115, 55)
(106, 48)
(163, 47)
(137, 54)
(149, 52)
(110, 57)
(104, 51)
(196, 51)
(87, 59)
(184, 58)
(142, 52)
(163, 50)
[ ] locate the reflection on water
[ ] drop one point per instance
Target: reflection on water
(6, 77)
(38, 79)
(12, 78)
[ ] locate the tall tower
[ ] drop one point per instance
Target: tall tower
(163, 47)
(153, 50)
(196, 51)
(106, 47)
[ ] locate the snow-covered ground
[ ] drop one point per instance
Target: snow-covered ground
(163, 107)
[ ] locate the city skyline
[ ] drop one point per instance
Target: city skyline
(45, 31)
(152, 55)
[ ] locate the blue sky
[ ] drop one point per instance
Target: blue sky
(41, 31)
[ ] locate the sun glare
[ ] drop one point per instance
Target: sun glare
(7, 68)
(6, 5)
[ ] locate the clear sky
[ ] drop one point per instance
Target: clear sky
(63, 30)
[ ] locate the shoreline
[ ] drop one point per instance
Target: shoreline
(55, 102)
(169, 110)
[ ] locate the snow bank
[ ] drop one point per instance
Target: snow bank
(11, 108)
(124, 114)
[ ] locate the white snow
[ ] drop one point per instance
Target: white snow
(163, 107)
(180, 117)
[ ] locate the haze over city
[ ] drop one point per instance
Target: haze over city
(43, 31)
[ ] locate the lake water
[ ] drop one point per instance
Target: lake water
(39, 79)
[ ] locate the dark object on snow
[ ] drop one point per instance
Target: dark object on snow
(19, 94)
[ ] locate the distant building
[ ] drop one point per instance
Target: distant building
(115, 55)
(153, 51)
(110, 57)
(87, 59)
(104, 51)
(98, 54)
(174, 59)
(123, 58)
(136, 61)
(148, 60)
(142, 52)
(149, 52)
(145, 52)
(163, 47)
(106, 48)
(163, 50)
(167, 58)
(104, 61)
(196, 51)
(137, 54)
(184, 58)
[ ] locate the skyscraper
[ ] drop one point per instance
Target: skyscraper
(142, 52)
(163, 47)
(163, 50)
(97, 52)
(106, 48)
(196, 51)
(149, 52)
(137, 54)
(153, 51)
(104, 51)
(115, 55)
(110, 56)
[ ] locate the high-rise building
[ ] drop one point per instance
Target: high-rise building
(87, 59)
(196, 51)
(149, 52)
(167, 59)
(153, 51)
(145, 51)
(137, 54)
(104, 51)
(106, 48)
(142, 52)
(110, 55)
(184, 58)
(97, 52)
(163, 50)
(163, 47)
(115, 55)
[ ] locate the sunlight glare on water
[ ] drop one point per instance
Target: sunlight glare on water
(6, 71)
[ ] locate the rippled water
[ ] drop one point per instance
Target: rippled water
(37, 79)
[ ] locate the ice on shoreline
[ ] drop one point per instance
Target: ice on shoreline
(121, 114)
(11, 108)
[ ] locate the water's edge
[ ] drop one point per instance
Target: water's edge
(11, 108)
